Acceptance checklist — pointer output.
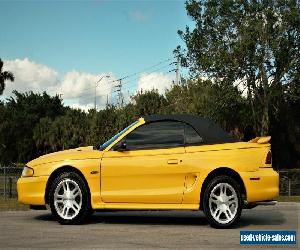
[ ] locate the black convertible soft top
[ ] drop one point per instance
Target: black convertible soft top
(207, 129)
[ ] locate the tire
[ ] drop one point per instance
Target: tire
(223, 210)
(69, 199)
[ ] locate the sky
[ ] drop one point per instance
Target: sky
(65, 47)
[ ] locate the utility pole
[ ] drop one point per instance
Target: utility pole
(106, 100)
(96, 85)
(177, 81)
(120, 95)
(95, 102)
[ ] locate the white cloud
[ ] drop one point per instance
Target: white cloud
(29, 76)
(80, 84)
(156, 80)
(84, 107)
(76, 88)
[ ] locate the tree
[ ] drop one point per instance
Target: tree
(218, 102)
(252, 43)
(4, 76)
(20, 116)
(148, 102)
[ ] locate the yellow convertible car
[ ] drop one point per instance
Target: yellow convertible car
(160, 162)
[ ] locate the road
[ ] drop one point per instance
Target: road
(168, 229)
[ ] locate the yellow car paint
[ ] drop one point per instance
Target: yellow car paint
(169, 178)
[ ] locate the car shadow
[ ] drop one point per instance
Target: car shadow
(140, 217)
(254, 217)
(150, 218)
(248, 218)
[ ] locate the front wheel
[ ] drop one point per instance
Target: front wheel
(222, 203)
(69, 199)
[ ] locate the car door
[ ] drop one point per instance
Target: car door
(149, 170)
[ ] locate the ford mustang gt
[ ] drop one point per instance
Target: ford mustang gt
(160, 162)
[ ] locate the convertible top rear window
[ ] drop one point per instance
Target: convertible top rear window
(207, 129)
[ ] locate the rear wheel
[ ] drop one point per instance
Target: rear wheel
(69, 199)
(222, 203)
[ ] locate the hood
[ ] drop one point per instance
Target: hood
(71, 154)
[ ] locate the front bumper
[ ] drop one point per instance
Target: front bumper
(31, 190)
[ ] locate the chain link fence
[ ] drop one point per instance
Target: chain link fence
(289, 184)
(8, 188)
(8, 181)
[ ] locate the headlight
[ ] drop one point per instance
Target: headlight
(27, 172)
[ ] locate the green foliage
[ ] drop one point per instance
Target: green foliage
(219, 102)
(149, 102)
(4, 76)
(20, 116)
(257, 42)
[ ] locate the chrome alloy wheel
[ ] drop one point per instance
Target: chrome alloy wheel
(67, 199)
(223, 203)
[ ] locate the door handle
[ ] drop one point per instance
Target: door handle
(173, 161)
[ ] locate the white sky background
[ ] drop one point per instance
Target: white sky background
(77, 88)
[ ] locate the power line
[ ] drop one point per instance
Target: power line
(120, 100)
(136, 73)
(124, 83)
(131, 83)
(145, 69)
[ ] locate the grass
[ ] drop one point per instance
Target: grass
(288, 199)
(11, 204)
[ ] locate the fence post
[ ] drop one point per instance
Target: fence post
(10, 187)
(289, 186)
(4, 170)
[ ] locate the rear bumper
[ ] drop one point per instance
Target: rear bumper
(31, 190)
(261, 185)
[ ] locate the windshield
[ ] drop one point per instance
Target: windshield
(111, 140)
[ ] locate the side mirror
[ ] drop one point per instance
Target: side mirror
(121, 146)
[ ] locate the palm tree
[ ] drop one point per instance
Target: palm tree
(4, 76)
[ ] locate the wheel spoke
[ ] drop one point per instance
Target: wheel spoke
(218, 214)
(221, 189)
(67, 185)
(67, 212)
(75, 192)
(216, 211)
(64, 210)
(214, 197)
(232, 202)
(228, 213)
(59, 197)
(224, 191)
(231, 197)
(59, 201)
(64, 185)
(75, 207)
(213, 201)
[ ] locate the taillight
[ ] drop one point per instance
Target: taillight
(269, 158)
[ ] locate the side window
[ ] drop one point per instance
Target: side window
(191, 136)
(156, 135)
